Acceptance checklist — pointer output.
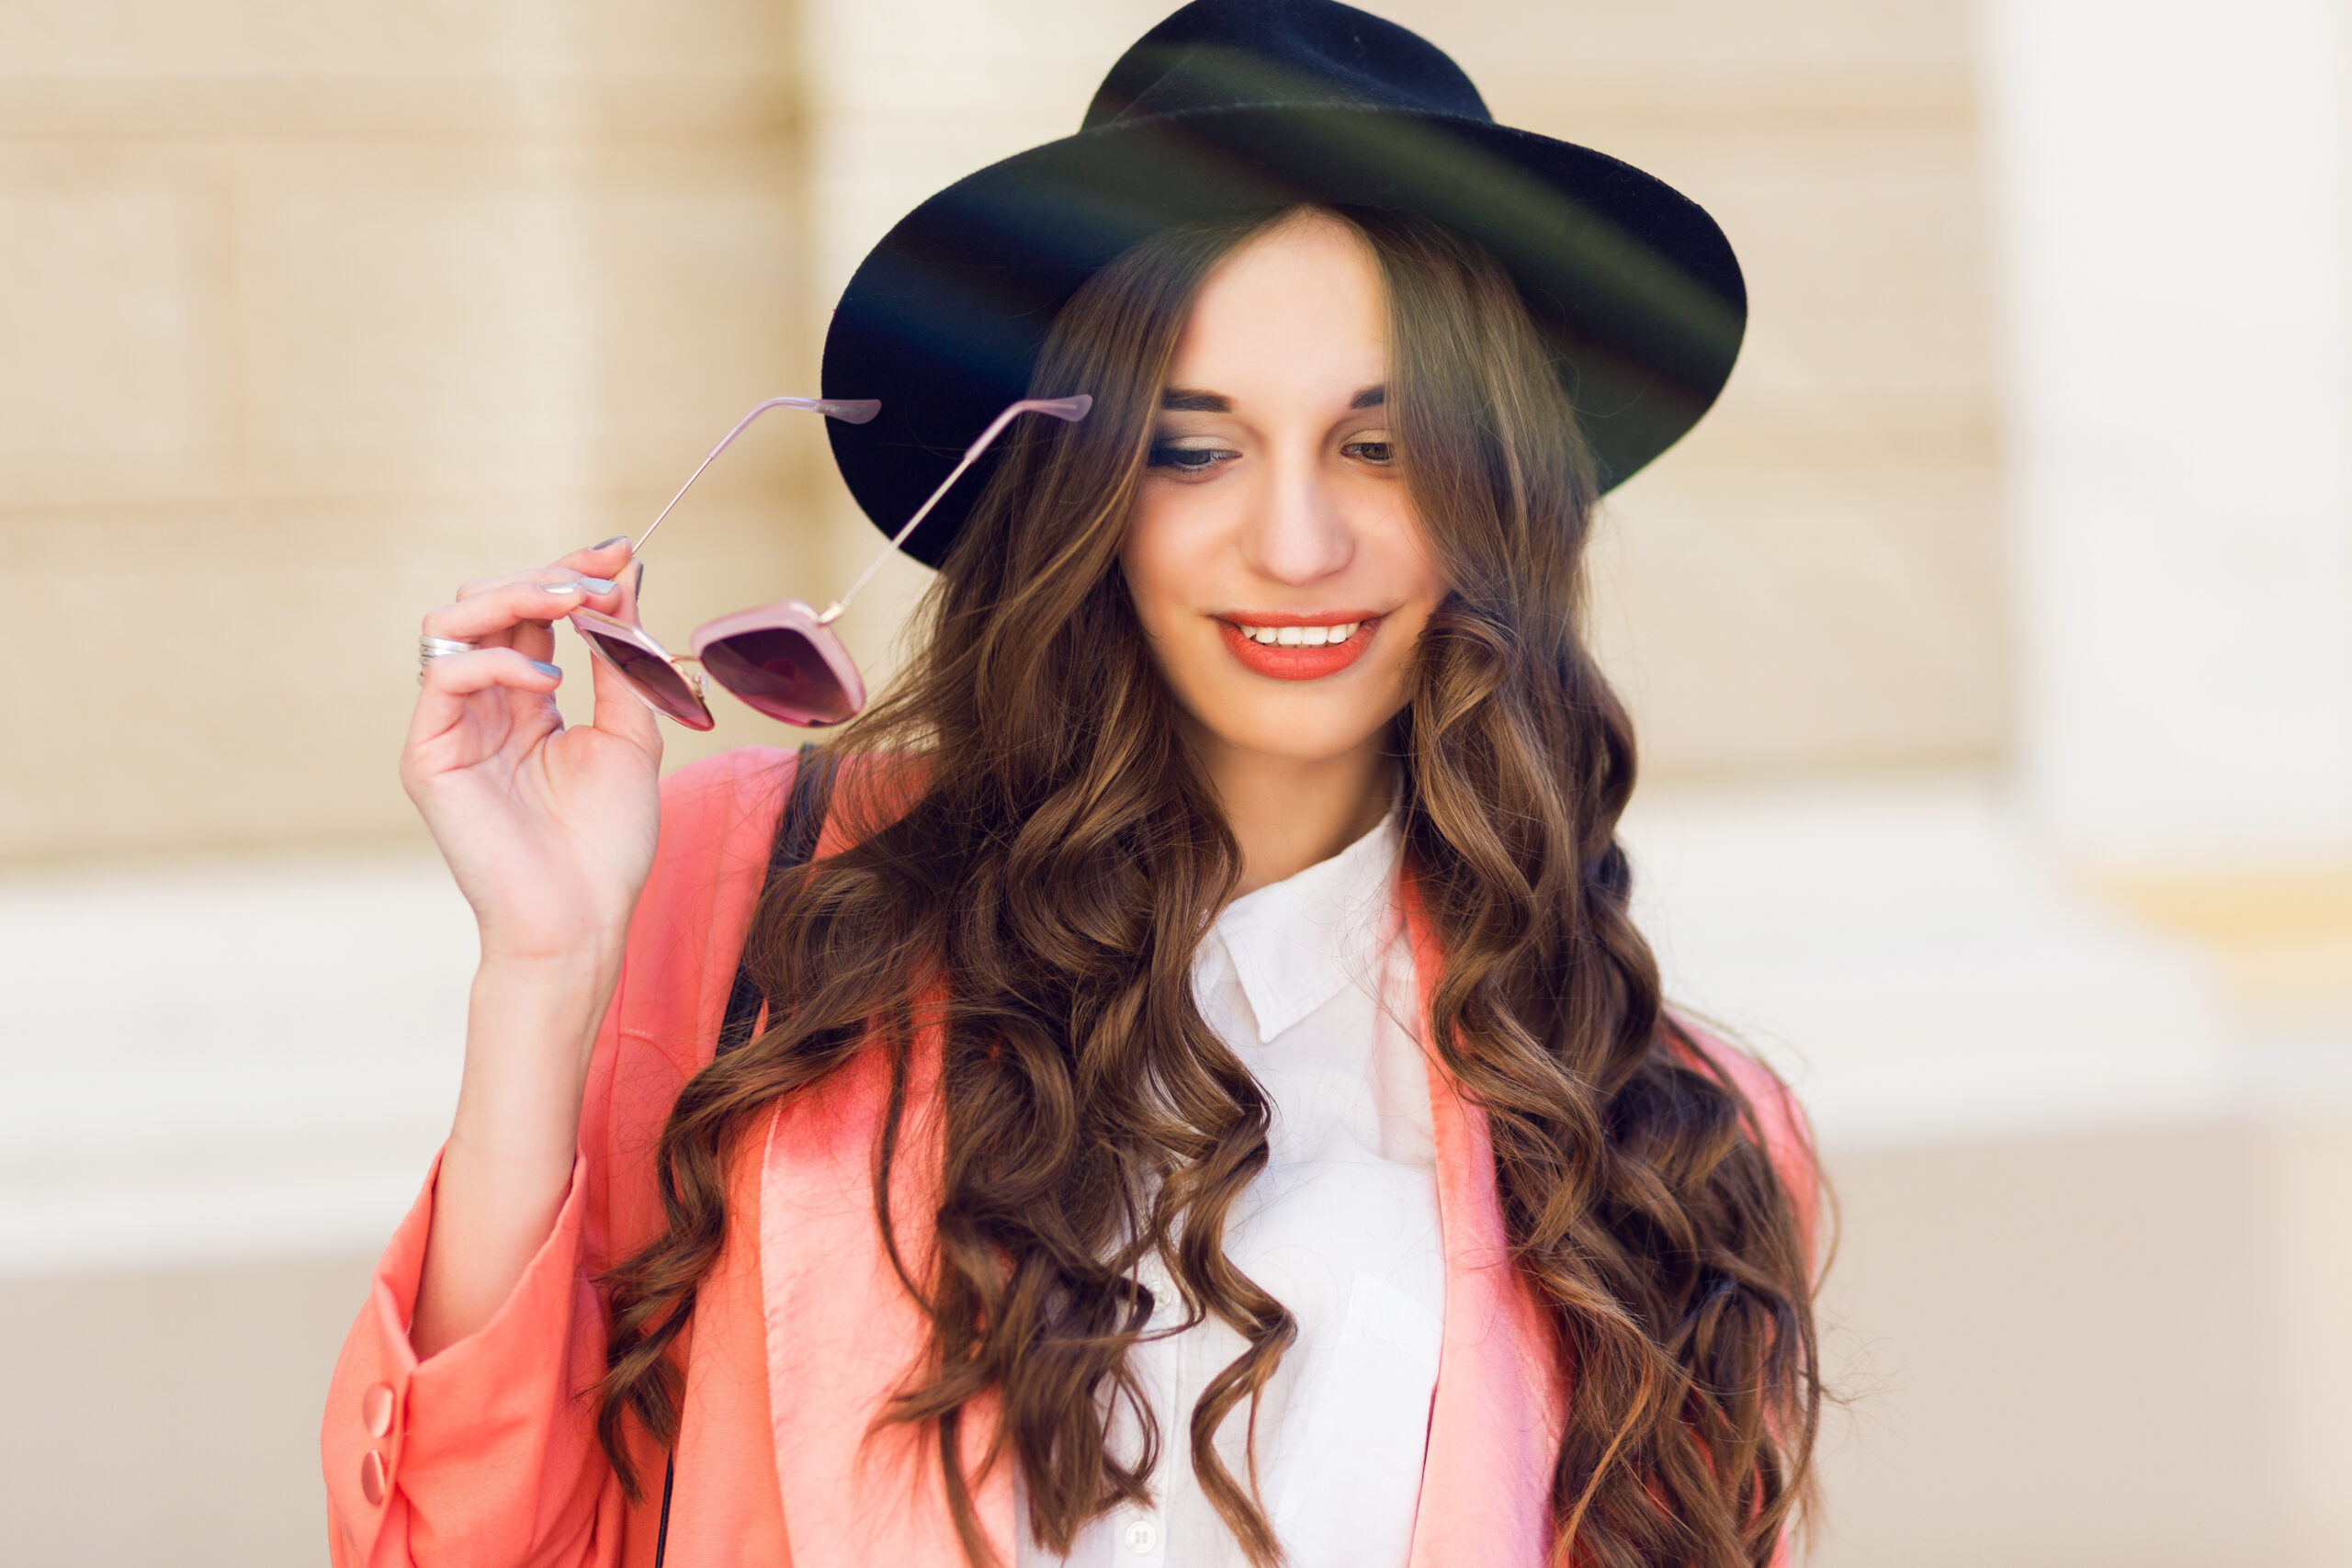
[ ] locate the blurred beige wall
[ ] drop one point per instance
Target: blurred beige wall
(309, 311)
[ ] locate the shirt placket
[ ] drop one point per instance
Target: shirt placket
(1139, 1536)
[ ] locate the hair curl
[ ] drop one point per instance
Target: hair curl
(1060, 861)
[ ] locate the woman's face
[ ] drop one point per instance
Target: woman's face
(1274, 557)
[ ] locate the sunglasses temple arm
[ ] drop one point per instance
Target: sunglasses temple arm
(726, 441)
(971, 455)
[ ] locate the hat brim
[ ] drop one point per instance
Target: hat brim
(1632, 285)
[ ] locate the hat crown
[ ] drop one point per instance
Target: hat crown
(1226, 54)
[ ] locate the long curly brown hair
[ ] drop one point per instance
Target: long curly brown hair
(1060, 861)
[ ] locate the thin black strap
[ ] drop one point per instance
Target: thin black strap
(797, 828)
(661, 1541)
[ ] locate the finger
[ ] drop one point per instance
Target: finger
(593, 566)
(620, 711)
(536, 602)
(632, 592)
(449, 680)
(475, 587)
(597, 565)
(609, 559)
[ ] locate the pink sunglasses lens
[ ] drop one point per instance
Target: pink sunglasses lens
(786, 674)
(656, 680)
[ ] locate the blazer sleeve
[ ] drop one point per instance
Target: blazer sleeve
(486, 1455)
(482, 1454)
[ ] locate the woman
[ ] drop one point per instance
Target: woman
(1211, 1106)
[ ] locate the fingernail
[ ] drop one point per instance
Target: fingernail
(573, 587)
(639, 586)
(597, 584)
(608, 544)
(545, 669)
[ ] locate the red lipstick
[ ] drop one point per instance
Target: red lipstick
(1296, 661)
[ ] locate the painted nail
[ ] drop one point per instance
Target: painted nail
(597, 584)
(545, 669)
(608, 544)
(571, 587)
(639, 586)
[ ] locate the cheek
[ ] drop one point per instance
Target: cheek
(1164, 562)
(1409, 568)
(1408, 560)
(1154, 558)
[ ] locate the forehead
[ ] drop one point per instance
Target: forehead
(1298, 309)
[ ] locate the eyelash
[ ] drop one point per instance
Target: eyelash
(1165, 455)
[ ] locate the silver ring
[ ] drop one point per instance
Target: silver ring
(429, 648)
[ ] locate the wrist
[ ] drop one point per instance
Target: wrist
(557, 999)
(546, 959)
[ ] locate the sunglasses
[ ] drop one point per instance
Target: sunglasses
(782, 660)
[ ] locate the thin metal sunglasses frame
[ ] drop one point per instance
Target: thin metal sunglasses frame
(782, 660)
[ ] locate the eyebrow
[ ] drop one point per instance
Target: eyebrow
(1186, 400)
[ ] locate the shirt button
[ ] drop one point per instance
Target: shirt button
(1142, 1536)
(371, 1479)
(376, 1410)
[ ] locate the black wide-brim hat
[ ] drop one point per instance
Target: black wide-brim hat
(1237, 105)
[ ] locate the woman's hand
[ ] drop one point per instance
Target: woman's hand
(548, 831)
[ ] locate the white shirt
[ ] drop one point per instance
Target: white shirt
(1310, 981)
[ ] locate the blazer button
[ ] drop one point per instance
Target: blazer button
(376, 1410)
(371, 1479)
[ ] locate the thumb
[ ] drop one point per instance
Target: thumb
(620, 710)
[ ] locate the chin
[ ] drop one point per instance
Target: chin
(1300, 728)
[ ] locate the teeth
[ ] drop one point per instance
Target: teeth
(1301, 636)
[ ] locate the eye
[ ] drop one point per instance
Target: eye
(1380, 452)
(1189, 461)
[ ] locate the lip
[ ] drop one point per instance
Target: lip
(1299, 663)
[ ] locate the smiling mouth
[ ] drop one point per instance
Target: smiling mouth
(1299, 637)
(1299, 650)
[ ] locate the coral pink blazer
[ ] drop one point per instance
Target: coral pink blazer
(486, 1455)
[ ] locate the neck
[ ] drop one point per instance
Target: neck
(1287, 814)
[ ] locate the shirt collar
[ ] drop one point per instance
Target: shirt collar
(1295, 944)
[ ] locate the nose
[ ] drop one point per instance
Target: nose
(1299, 534)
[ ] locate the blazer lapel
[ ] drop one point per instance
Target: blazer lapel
(1501, 1399)
(843, 1332)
